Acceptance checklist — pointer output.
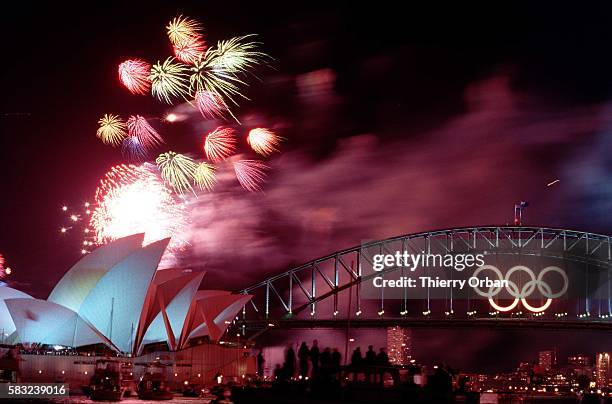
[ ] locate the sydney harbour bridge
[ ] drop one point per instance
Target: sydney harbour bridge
(558, 279)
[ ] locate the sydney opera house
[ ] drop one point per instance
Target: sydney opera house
(116, 298)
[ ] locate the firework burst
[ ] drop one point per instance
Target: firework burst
(237, 55)
(117, 177)
(141, 129)
(133, 199)
(134, 74)
(204, 76)
(178, 170)
(204, 176)
(209, 104)
(112, 130)
(220, 144)
(2, 269)
(263, 141)
(182, 28)
(169, 80)
(250, 174)
(133, 150)
(221, 68)
(190, 49)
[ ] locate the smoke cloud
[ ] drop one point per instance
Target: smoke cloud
(468, 170)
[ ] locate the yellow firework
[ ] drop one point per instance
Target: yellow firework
(204, 76)
(220, 71)
(205, 177)
(112, 130)
(169, 80)
(237, 55)
(182, 29)
(177, 170)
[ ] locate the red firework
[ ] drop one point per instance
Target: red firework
(133, 199)
(4, 270)
(117, 176)
(220, 144)
(209, 104)
(134, 74)
(189, 50)
(250, 174)
(139, 128)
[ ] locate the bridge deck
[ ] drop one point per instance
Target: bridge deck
(494, 323)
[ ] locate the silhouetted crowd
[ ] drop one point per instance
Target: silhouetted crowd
(312, 362)
(371, 357)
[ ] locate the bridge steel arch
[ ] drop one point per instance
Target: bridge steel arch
(291, 299)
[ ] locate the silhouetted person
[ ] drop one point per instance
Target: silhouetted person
(326, 362)
(326, 357)
(336, 358)
(440, 384)
(278, 372)
(303, 355)
(289, 366)
(382, 359)
(370, 356)
(356, 361)
(260, 364)
(369, 361)
(314, 357)
(356, 358)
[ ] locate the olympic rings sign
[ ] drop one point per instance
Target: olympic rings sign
(520, 295)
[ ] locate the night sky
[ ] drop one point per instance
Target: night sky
(397, 120)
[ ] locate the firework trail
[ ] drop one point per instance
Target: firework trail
(134, 74)
(204, 176)
(220, 144)
(182, 28)
(141, 129)
(190, 50)
(133, 199)
(178, 170)
(250, 174)
(210, 105)
(75, 221)
(133, 150)
(170, 80)
(550, 184)
(263, 141)
(112, 130)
